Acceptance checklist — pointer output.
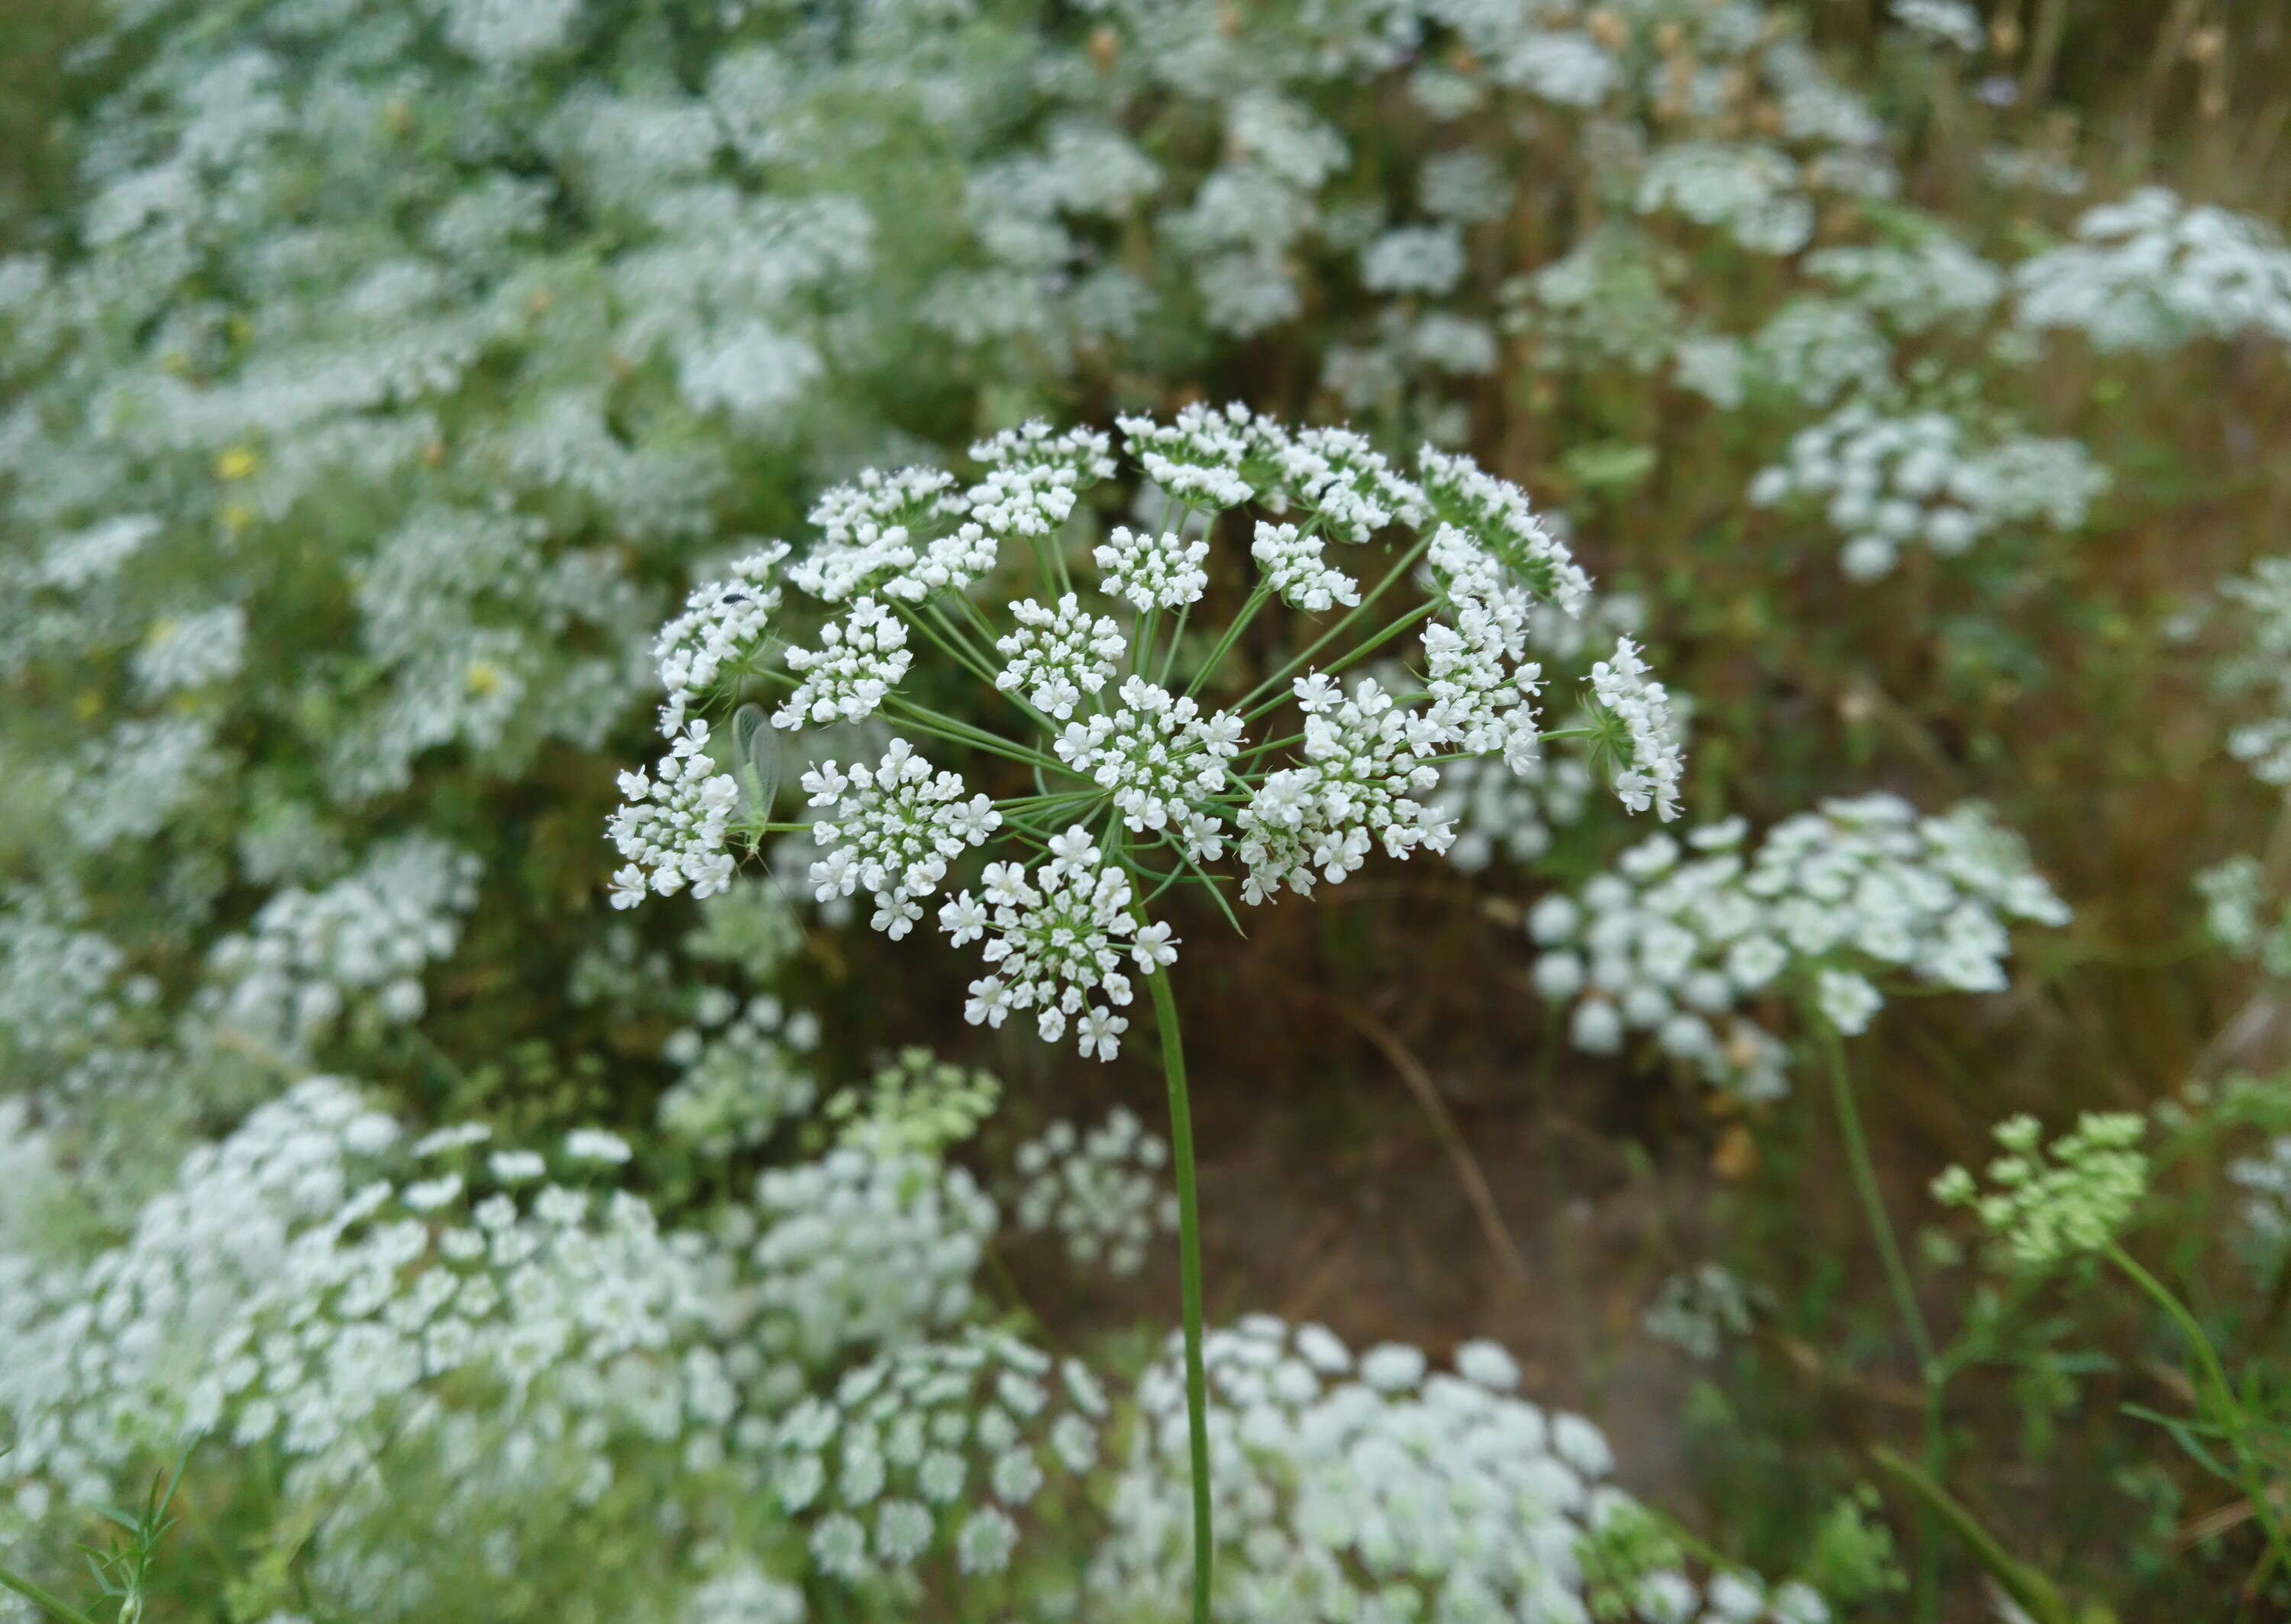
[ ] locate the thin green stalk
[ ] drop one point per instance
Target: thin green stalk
(1905, 1296)
(975, 616)
(1258, 597)
(47, 1602)
(940, 633)
(1189, 1272)
(1273, 683)
(1177, 639)
(955, 731)
(1354, 656)
(2253, 1482)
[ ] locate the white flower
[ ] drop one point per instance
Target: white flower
(1156, 755)
(670, 825)
(1056, 655)
(860, 660)
(1152, 947)
(1153, 572)
(893, 829)
(1100, 1032)
(1294, 567)
(1643, 706)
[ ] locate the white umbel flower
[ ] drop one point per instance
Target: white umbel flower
(1655, 761)
(893, 829)
(1156, 754)
(1151, 571)
(1295, 568)
(1058, 656)
(859, 661)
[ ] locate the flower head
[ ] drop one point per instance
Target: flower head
(1090, 737)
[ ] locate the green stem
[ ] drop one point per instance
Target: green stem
(42, 1599)
(1905, 1296)
(955, 731)
(1354, 656)
(2251, 1480)
(1189, 1269)
(1176, 638)
(1391, 576)
(1257, 597)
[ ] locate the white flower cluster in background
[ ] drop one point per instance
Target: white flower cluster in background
(1884, 483)
(2264, 1178)
(2152, 271)
(290, 1291)
(1699, 1311)
(856, 1250)
(1751, 192)
(1062, 925)
(2255, 669)
(915, 1104)
(1675, 940)
(1815, 352)
(1952, 22)
(1373, 1486)
(744, 1071)
(60, 983)
(939, 1446)
(313, 958)
(1103, 1193)
(1501, 814)
(1931, 281)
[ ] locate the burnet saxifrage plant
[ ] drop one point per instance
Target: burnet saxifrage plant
(1138, 722)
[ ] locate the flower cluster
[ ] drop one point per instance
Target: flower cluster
(1884, 483)
(672, 824)
(892, 828)
(290, 1290)
(914, 1106)
(1058, 654)
(60, 982)
(1055, 937)
(1159, 757)
(1650, 733)
(745, 1071)
(362, 942)
(1699, 1311)
(2150, 271)
(1151, 571)
(1366, 762)
(1675, 940)
(1101, 1192)
(940, 1445)
(1179, 784)
(857, 1249)
(1369, 1486)
(861, 658)
(2257, 666)
(2050, 1205)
